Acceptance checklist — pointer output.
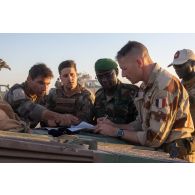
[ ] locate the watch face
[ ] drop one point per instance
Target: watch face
(120, 132)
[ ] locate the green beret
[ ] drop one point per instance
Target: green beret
(105, 64)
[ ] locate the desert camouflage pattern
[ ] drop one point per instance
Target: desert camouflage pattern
(9, 121)
(190, 87)
(78, 102)
(29, 108)
(119, 108)
(164, 112)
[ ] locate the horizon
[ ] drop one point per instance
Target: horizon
(22, 50)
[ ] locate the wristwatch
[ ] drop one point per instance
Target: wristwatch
(119, 133)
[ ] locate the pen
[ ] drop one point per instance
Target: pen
(106, 116)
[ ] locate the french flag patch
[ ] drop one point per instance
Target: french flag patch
(161, 102)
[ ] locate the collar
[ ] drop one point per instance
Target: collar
(115, 92)
(76, 90)
(33, 97)
(152, 77)
(189, 82)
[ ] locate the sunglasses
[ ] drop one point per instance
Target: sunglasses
(106, 75)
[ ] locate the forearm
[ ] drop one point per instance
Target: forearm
(30, 111)
(133, 126)
(130, 136)
(124, 126)
(48, 115)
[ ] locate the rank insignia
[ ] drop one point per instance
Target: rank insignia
(176, 55)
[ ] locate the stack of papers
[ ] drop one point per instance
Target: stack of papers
(82, 125)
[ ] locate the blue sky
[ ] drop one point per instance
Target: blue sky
(22, 50)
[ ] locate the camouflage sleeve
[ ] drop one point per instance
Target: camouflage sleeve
(99, 109)
(85, 107)
(23, 106)
(169, 110)
(136, 125)
(132, 110)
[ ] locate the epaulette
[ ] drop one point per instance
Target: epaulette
(132, 88)
(16, 86)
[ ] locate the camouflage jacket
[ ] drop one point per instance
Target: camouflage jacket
(120, 108)
(190, 87)
(28, 108)
(78, 103)
(163, 107)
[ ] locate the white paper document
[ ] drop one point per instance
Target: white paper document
(82, 125)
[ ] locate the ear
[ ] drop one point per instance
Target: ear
(139, 62)
(116, 70)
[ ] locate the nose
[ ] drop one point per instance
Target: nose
(69, 78)
(45, 87)
(104, 79)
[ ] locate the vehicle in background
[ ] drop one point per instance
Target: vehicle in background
(85, 80)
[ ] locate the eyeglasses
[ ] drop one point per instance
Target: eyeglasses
(106, 75)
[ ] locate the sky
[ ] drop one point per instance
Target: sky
(22, 50)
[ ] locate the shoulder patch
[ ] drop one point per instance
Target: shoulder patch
(161, 102)
(18, 94)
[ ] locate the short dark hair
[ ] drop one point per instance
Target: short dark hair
(67, 64)
(40, 69)
(128, 47)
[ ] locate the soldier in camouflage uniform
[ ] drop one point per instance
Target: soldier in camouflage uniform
(26, 99)
(184, 65)
(71, 97)
(164, 118)
(115, 99)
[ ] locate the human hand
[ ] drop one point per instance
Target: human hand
(66, 120)
(105, 129)
(105, 120)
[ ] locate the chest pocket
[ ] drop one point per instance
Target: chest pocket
(143, 105)
(65, 105)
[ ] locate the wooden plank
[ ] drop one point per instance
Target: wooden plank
(41, 156)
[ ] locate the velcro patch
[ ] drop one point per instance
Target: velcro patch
(18, 94)
(161, 102)
(176, 55)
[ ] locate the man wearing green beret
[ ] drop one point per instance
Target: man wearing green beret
(115, 100)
